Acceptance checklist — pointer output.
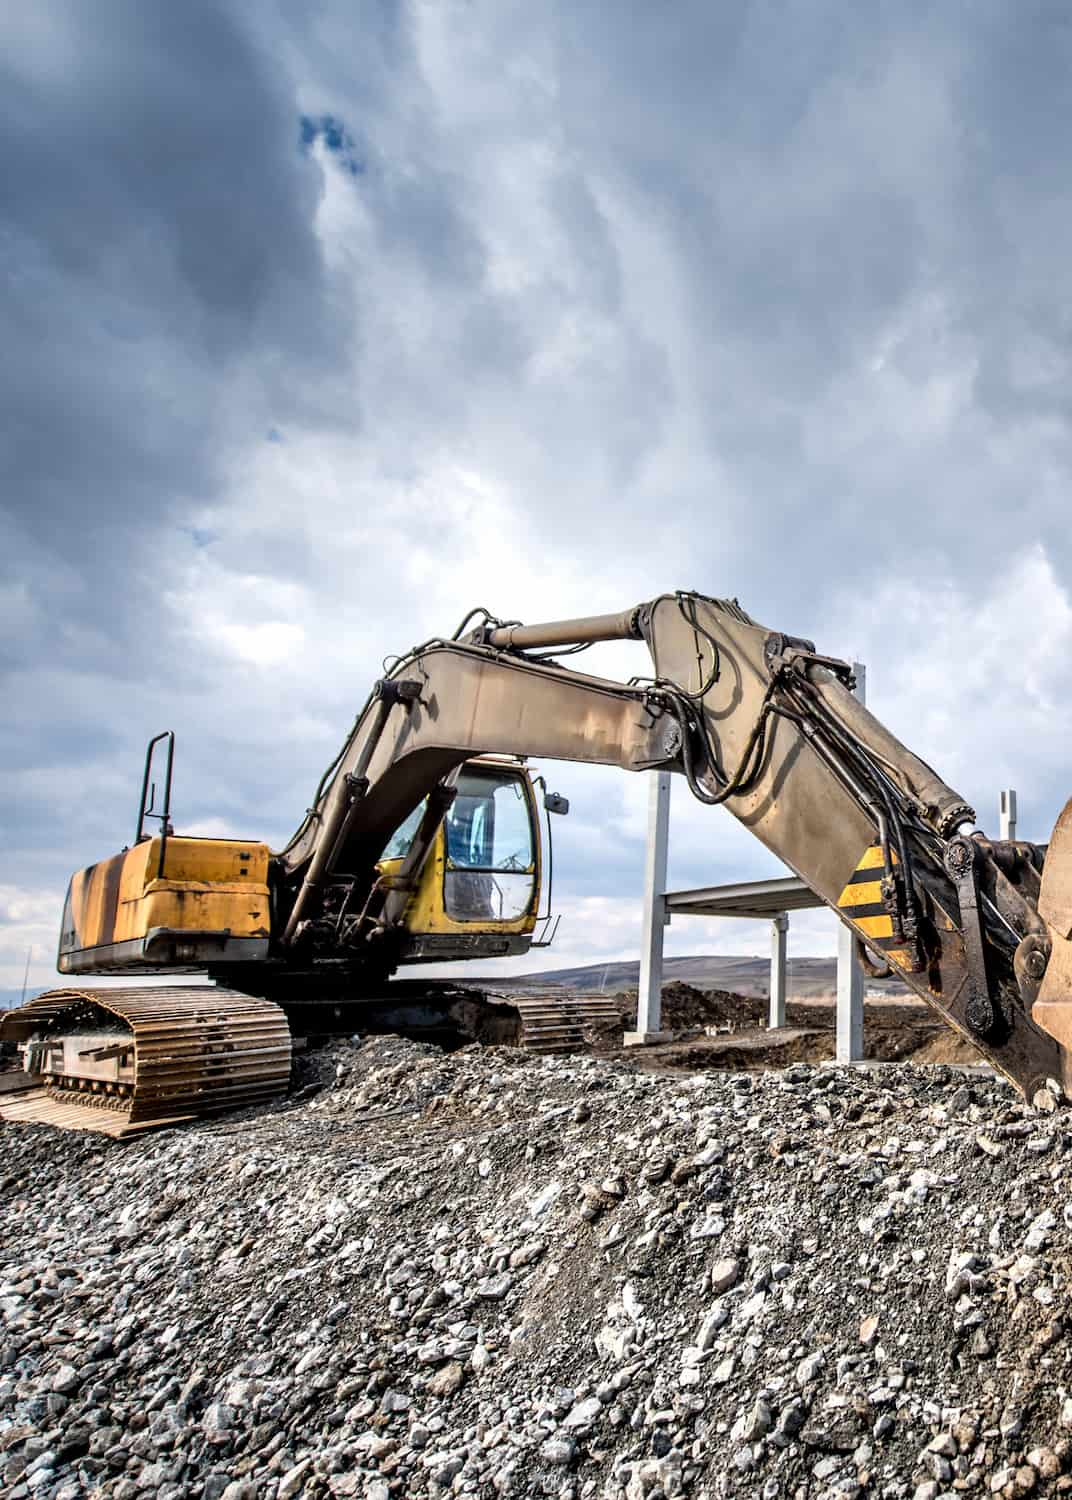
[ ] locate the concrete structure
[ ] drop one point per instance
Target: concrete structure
(654, 916)
(752, 900)
(779, 952)
(1008, 814)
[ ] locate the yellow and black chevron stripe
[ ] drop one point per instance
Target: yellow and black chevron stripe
(862, 903)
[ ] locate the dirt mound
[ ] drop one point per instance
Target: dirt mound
(684, 1008)
(895, 1028)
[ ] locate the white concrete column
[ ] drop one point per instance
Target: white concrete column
(859, 671)
(778, 946)
(850, 999)
(1007, 814)
(849, 1046)
(655, 915)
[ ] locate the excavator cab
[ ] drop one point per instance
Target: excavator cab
(479, 891)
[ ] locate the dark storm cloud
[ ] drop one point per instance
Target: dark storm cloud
(818, 173)
(158, 233)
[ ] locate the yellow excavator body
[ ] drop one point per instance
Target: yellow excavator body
(175, 904)
(165, 904)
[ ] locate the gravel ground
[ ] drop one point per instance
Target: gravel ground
(493, 1274)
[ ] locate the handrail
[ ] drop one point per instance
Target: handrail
(146, 811)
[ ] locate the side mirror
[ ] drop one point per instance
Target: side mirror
(554, 803)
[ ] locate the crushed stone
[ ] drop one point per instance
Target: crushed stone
(493, 1274)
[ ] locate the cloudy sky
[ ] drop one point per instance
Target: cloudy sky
(324, 322)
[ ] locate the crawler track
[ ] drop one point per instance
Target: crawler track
(560, 1023)
(198, 1050)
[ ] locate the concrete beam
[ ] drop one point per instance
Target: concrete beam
(745, 898)
(1007, 814)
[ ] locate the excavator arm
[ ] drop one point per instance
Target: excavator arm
(754, 720)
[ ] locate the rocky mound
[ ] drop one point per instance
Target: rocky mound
(893, 1029)
(490, 1274)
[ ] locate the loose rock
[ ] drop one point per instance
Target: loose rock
(487, 1273)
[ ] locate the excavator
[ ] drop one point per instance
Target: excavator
(422, 843)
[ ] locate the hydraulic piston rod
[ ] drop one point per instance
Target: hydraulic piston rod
(620, 627)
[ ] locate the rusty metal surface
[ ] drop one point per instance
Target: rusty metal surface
(1055, 897)
(38, 1105)
(198, 1049)
(1052, 1009)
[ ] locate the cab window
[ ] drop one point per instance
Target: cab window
(399, 842)
(491, 865)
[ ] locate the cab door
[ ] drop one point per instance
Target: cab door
(479, 891)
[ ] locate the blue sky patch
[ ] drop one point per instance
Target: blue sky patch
(200, 536)
(336, 138)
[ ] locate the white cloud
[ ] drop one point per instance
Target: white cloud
(978, 680)
(29, 929)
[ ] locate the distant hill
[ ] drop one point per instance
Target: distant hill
(808, 978)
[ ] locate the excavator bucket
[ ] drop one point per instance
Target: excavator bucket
(125, 1060)
(1055, 898)
(1052, 1009)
